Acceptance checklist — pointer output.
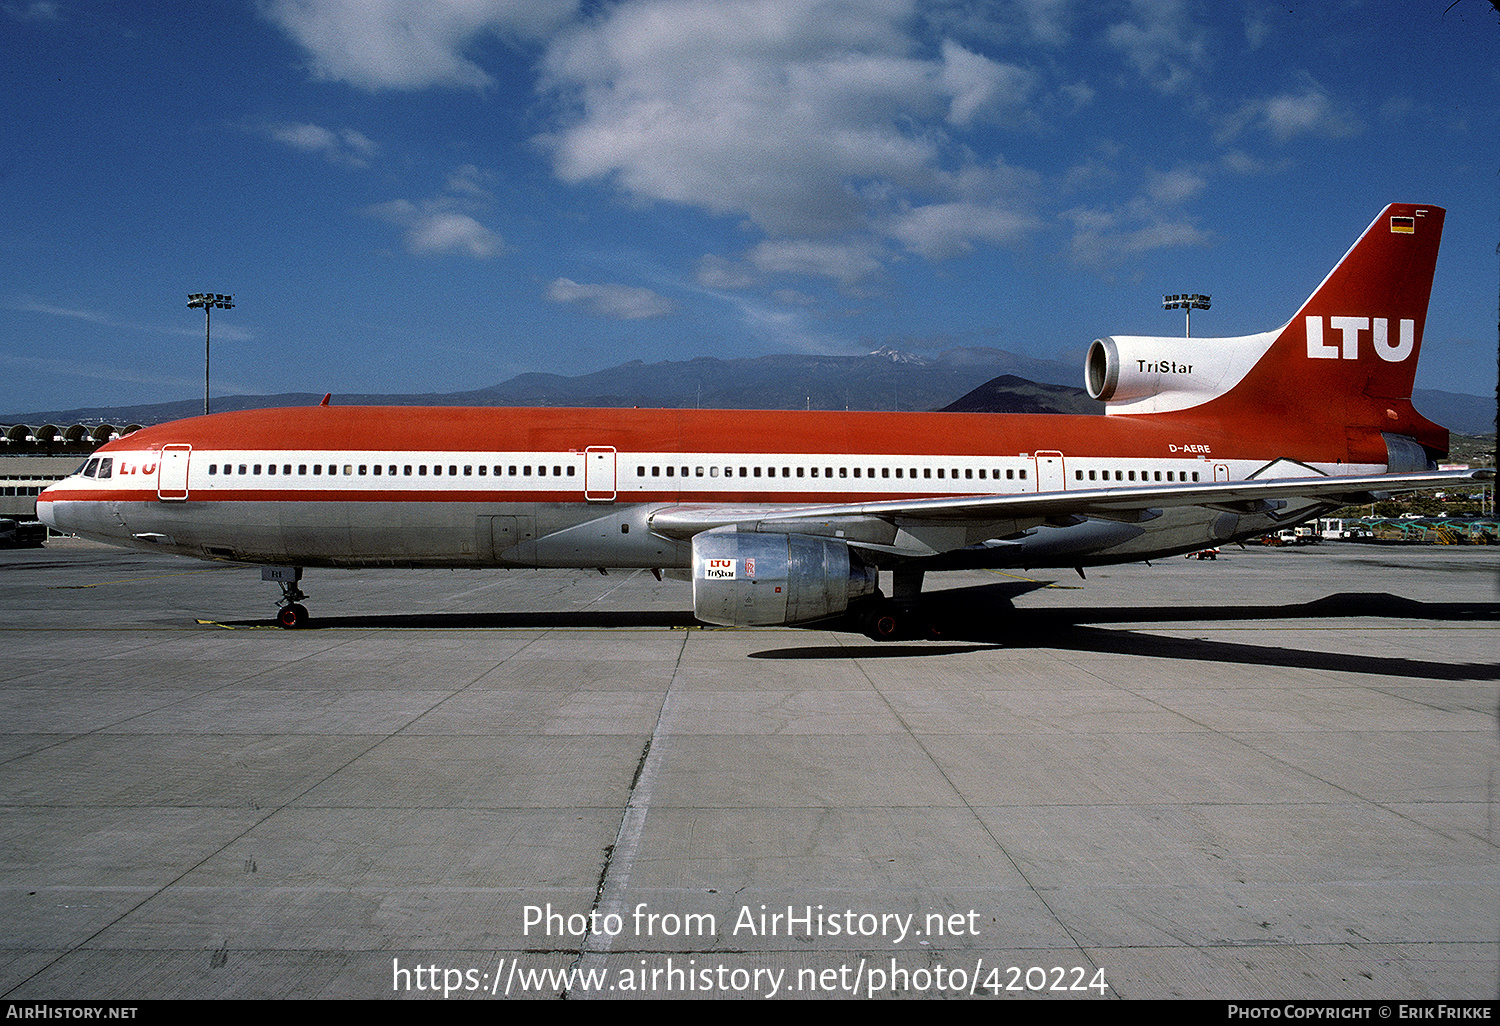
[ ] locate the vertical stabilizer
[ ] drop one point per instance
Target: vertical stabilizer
(1360, 334)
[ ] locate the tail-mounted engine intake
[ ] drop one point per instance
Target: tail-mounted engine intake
(746, 579)
(1140, 374)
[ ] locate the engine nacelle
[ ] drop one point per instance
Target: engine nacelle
(743, 579)
(1141, 374)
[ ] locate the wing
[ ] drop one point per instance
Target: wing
(926, 526)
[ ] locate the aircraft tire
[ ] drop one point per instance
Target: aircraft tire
(292, 616)
(883, 623)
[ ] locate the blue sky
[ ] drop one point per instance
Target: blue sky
(431, 197)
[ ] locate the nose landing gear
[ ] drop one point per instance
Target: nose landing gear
(291, 613)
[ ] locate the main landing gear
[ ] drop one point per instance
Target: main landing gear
(291, 613)
(885, 620)
(899, 617)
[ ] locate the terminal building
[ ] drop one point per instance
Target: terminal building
(34, 456)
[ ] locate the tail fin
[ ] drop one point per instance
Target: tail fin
(1345, 362)
(1360, 334)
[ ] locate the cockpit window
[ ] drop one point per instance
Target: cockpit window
(106, 465)
(90, 468)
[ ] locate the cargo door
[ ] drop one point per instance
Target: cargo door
(172, 473)
(507, 540)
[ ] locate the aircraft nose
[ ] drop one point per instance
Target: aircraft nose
(46, 510)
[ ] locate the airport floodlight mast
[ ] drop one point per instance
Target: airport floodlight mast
(1188, 303)
(208, 301)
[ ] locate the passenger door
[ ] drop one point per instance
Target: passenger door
(172, 473)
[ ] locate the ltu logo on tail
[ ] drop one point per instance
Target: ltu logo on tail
(1376, 329)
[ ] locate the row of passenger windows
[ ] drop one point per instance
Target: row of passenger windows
(528, 470)
(1130, 475)
(844, 472)
(390, 470)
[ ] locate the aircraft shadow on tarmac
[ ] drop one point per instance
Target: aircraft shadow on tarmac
(986, 617)
(965, 620)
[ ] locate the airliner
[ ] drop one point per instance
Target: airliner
(790, 517)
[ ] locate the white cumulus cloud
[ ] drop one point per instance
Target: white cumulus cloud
(433, 227)
(619, 302)
(409, 44)
(343, 146)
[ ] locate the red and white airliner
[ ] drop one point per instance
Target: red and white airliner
(788, 517)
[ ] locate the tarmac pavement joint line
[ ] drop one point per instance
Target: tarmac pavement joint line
(614, 874)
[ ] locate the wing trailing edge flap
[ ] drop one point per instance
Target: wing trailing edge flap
(942, 524)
